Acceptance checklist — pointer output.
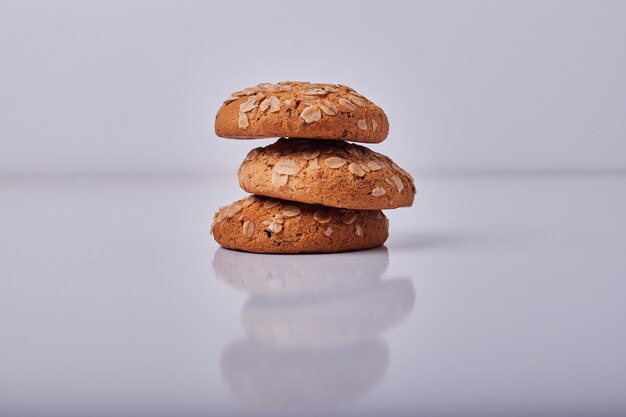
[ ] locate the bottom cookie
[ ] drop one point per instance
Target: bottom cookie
(267, 225)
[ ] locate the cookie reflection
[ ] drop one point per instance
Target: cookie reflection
(313, 326)
(259, 274)
(300, 378)
(330, 319)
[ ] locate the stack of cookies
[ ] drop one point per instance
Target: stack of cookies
(313, 191)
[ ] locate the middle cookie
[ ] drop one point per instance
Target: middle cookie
(330, 173)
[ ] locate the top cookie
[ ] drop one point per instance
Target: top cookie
(302, 110)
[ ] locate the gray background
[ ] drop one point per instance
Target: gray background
(133, 86)
(500, 292)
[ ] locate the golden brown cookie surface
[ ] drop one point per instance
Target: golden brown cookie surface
(330, 173)
(264, 225)
(303, 110)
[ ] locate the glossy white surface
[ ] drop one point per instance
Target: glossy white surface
(497, 294)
